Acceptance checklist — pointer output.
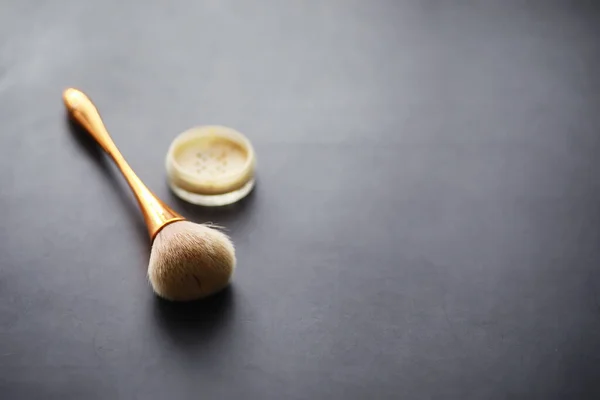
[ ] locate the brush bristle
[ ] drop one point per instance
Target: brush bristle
(190, 261)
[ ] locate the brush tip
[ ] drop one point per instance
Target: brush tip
(190, 261)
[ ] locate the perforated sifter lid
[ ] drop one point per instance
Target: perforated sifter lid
(211, 165)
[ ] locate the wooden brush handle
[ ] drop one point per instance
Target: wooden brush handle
(156, 213)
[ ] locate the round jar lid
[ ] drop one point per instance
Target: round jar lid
(211, 165)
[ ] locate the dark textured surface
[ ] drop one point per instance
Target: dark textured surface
(426, 223)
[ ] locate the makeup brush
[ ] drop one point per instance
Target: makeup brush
(188, 261)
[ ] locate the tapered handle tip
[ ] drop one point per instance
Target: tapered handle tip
(72, 98)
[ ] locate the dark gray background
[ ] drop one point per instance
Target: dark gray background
(426, 223)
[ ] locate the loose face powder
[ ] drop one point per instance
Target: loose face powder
(211, 165)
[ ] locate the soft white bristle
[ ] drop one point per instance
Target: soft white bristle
(190, 261)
